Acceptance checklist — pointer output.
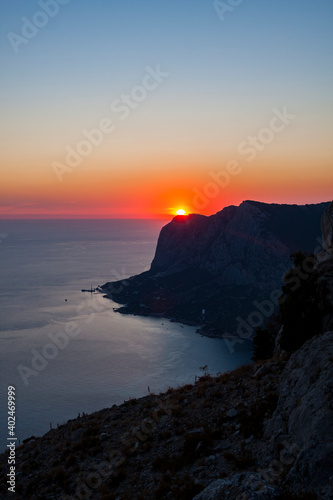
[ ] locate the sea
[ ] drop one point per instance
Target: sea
(65, 351)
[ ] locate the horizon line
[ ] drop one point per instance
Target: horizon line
(165, 216)
(74, 217)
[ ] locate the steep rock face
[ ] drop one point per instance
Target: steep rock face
(304, 414)
(324, 267)
(224, 264)
(327, 228)
(246, 245)
(181, 242)
(295, 452)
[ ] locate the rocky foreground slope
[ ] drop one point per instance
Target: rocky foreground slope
(224, 264)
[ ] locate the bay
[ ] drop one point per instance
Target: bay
(66, 351)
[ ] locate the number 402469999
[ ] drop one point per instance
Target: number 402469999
(11, 410)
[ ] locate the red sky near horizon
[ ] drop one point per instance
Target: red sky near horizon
(117, 113)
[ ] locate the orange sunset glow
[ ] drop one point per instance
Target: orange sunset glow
(93, 134)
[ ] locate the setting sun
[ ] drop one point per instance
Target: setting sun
(181, 212)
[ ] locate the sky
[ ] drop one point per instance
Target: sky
(114, 109)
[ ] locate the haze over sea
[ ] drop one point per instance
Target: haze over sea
(111, 357)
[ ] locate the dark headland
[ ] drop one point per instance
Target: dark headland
(263, 431)
(222, 272)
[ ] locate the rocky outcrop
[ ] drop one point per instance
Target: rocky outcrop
(324, 268)
(295, 454)
(233, 245)
(304, 414)
(224, 265)
(247, 245)
(327, 228)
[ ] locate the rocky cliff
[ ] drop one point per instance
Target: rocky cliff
(214, 271)
(324, 265)
(295, 451)
(327, 229)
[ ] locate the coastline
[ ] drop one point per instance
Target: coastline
(126, 294)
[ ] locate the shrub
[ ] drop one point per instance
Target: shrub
(263, 344)
(300, 310)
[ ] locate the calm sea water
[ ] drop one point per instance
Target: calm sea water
(104, 358)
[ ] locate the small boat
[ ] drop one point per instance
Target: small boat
(92, 290)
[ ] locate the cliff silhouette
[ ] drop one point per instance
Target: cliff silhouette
(224, 272)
